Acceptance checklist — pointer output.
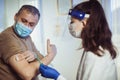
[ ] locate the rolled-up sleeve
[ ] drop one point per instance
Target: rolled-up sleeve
(9, 46)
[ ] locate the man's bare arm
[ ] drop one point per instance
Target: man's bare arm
(25, 70)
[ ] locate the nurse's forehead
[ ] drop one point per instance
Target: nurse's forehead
(73, 19)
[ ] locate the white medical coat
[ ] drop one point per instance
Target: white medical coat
(93, 67)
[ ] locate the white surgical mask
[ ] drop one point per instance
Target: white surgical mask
(72, 31)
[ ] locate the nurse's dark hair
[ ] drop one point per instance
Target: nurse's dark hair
(96, 32)
(30, 9)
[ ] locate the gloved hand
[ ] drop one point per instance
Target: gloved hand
(48, 72)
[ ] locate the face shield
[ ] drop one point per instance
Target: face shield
(78, 15)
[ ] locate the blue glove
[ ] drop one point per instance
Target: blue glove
(48, 72)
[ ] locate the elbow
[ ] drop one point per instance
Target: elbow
(27, 76)
(30, 73)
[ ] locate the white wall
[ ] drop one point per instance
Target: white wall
(116, 29)
(55, 28)
(2, 15)
(11, 7)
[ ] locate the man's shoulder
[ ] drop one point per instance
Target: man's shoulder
(7, 31)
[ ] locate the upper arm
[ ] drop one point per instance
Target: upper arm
(24, 69)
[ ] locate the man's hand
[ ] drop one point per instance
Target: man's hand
(28, 55)
(51, 48)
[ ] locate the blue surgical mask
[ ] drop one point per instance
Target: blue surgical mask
(22, 30)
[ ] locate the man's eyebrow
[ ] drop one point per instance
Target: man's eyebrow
(23, 19)
(32, 23)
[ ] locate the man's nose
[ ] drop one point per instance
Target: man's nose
(27, 24)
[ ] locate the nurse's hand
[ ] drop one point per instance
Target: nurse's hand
(48, 72)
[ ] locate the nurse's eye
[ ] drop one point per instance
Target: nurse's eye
(71, 22)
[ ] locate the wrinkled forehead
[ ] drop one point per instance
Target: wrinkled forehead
(28, 16)
(26, 12)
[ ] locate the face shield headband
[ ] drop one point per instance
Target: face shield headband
(78, 14)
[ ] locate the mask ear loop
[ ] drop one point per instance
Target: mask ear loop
(83, 23)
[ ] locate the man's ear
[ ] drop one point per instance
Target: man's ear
(15, 17)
